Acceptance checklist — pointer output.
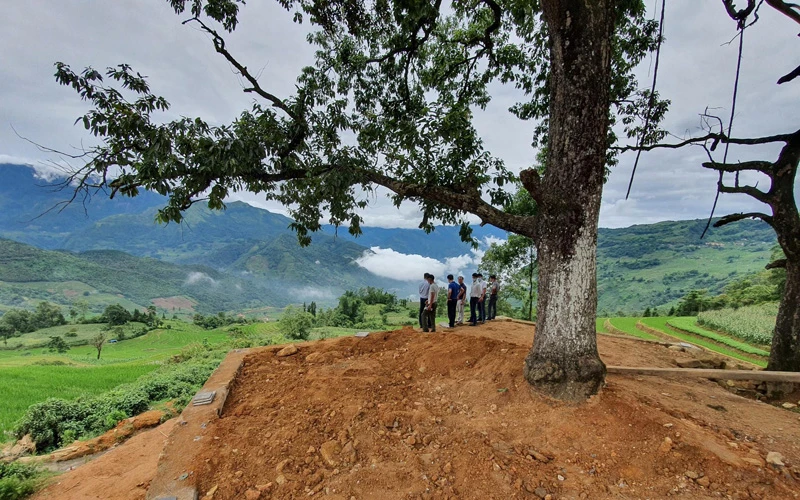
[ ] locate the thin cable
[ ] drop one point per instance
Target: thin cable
(652, 98)
(730, 126)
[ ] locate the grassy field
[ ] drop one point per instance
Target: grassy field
(628, 325)
(753, 324)
(600, 325)
(83, 334)
(33, 375)
(660, 324)
(690, 325)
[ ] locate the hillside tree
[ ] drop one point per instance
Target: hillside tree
(390, 103)
(98, 342)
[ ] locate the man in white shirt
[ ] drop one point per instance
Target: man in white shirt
(429, 314)
(423, 298)
(474, 298)
(482, 301)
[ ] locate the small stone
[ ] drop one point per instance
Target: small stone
(264, 487)
(789, 406)
(540, 492)
(287, 351)
(279, 468)
(757, 462)
(538, 456)
(775, 458)
(703, 481)
(665, 446)
(411, 440)
(280, 480)
(448, 468)
(548, 497)
(560, 477)
(730, 383)
(238, 473)
(252, 494)
(668, 425)
(329, 450)
(210, 493)
(691, 474)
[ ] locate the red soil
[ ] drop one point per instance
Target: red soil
(448, 415)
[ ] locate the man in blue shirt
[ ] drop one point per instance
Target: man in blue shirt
(453, 291)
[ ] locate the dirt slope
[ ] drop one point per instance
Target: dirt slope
(448, 415)
(408, 415)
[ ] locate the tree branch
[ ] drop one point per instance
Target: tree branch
(469, 203)
(748, 190)
(219, 46)
(740, 216)
(717, 138)
(790, 10)
(759, 166)
(778, 264)
(789, 76)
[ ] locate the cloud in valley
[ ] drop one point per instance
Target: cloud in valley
(399, 266)
(198, 278)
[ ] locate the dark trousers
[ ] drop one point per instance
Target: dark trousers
(451, 312)
(422, 304)
(492, 306)
(473, 310)
(482, 310)
(429, 319)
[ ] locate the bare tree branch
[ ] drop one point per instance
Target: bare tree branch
(789, 76)
(748, 190)
(740, 216)
(777, 264)
(790, 10)
(758, 166)
(716, 137)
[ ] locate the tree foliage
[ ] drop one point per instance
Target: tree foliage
(295, 323)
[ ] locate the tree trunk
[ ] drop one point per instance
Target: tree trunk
(564, 362)
(785, 352)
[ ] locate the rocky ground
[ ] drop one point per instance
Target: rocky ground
(448, 415)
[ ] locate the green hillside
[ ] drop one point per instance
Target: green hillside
(656, 264)
(29, 275)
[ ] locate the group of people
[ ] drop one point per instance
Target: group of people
(479, 294)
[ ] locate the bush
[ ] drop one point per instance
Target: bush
(18, 480)
(295, 324)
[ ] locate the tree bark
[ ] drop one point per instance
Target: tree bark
(785, 352)
(564, 362)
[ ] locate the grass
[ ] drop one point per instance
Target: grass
(689, 324)
(601, 325)
(628, 325)
(660, 324)
(33, 375)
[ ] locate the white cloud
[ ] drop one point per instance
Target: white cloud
(399, 266)
(196, 278)
(313, 293)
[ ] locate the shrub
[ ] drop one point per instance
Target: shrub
(18, 480)
(295, 323)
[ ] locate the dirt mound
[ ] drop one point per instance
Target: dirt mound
(448, 415)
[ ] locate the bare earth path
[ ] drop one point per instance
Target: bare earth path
(448, 415)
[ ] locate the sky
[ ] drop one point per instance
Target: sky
(696, 72)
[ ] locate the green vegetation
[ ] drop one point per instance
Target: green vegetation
(660, 324)
(75, 335)
(18, 480)
(296, 324)
(752, 324)
(689, 324)
(628, 325)
(601, 325)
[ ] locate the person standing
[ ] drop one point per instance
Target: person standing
(424, 288)
(429, 314)
(462, 297)
(482, 301)
(474, 297)
(452, 300)
(492, 290)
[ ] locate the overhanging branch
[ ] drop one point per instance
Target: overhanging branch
(790, 10)
(716, 138)
(777, 264)
(741, 216)
(757, 166)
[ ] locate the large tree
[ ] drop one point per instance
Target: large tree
(390, 103)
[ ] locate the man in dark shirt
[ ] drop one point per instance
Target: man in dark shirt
(492, 290)
(453, 291)
(462, 299)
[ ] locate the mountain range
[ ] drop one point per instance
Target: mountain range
(245, 257)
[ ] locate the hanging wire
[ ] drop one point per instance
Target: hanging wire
(650, 103)
(742, 27)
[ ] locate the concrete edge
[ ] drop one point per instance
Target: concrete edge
(753, 375)
(174, 479)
